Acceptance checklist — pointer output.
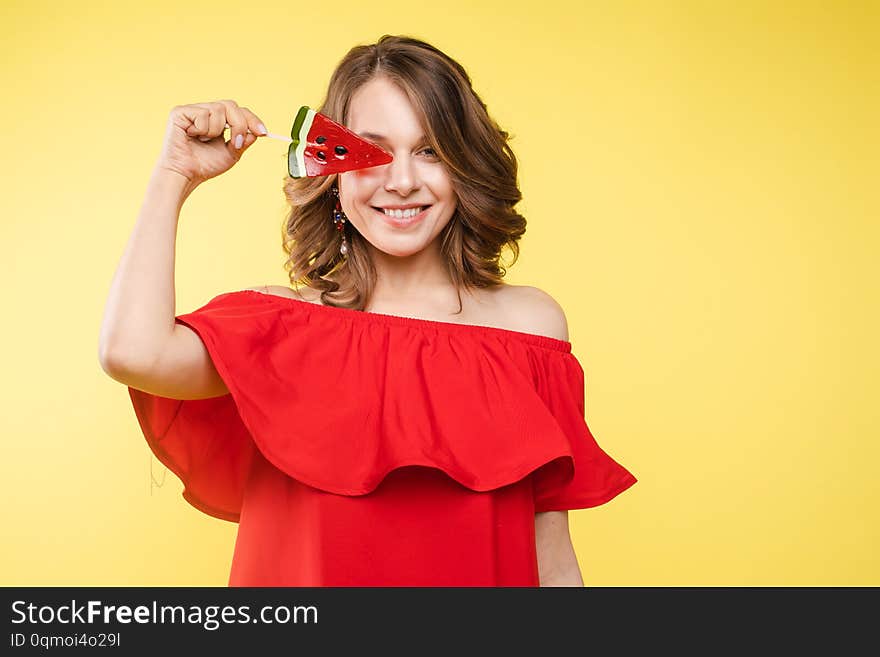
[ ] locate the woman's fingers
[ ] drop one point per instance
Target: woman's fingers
(198, 118)
(209, 120)
(218, 119)
(246, 126)
(243, 124)
(256, 125)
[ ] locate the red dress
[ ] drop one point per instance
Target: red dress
(364, 449)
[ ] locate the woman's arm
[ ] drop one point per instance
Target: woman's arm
(557, 562)
(139, 312)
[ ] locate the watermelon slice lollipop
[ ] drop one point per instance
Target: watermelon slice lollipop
(321, 147)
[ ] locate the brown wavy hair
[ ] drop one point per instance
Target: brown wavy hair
(469, 143)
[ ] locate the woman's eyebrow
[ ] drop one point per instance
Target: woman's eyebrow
(375, 137)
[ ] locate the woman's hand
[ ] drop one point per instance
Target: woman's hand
(194, 146)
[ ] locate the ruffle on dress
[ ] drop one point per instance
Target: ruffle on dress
(338, 398)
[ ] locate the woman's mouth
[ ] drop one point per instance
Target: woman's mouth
(405, 218)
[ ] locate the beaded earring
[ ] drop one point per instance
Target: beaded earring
(339, 219)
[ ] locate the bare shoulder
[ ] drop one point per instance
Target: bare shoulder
(303, 294)
(533, 310)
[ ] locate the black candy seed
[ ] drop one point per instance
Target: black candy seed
(320, 155)
(321, 139)
(341, 150)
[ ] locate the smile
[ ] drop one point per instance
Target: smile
(403, 221)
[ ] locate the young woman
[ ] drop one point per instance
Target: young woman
(399, 416)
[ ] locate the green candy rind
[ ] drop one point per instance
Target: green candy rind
(296, 161)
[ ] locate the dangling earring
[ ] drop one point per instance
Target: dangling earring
(339, 219)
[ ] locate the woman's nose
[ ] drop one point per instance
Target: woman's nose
(401, 176)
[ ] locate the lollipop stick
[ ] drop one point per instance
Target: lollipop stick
(273, 136)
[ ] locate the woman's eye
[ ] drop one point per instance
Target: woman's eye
(431, 151)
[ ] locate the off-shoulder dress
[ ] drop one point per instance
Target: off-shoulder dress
(364, 449)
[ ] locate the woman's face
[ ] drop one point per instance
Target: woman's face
(380, 112)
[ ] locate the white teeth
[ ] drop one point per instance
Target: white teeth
(401, 214)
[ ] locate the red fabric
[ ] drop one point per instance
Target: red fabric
(362, 449)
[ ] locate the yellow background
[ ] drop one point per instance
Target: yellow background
(700, 182)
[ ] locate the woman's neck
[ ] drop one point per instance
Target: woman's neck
(407, 278)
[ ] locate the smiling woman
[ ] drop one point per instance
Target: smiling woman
(414, 191)
(451, 160)
(359, 431)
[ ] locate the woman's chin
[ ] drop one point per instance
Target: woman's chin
(400, 246)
